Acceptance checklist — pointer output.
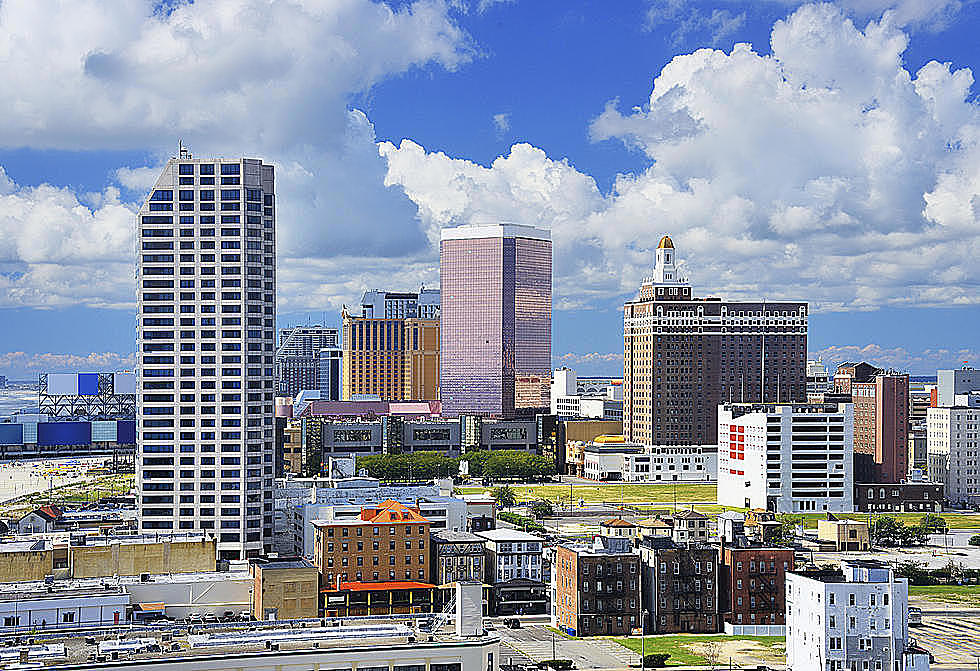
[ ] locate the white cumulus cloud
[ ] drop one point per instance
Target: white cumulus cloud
(823, 170)
(269, 80)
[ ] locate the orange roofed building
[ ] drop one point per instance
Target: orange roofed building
(377, 564)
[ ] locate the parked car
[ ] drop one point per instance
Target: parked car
(512, 622)
(195, 618)
(245, 616)
(210, 618)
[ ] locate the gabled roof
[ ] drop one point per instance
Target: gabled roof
(689, 515)
(50, 513)
(392, 512)
(617, 522)
(654, 523)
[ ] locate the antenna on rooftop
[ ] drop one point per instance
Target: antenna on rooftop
(182, 151)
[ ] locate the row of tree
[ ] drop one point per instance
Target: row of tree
(885, 530)
(493, 464)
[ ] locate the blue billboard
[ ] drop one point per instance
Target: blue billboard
(126, 432)
(88, 384)
(64, 433)
(11, 434)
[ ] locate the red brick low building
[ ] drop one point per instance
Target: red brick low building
(597, 588)
(752, 584)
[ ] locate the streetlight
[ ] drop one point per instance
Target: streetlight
(643, 639)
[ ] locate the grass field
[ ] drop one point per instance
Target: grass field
(627, 493)
(954, 520)
(682, 648)
(71, 494)
(965, 595)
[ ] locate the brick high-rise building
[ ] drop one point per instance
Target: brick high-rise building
(881, 420)
(680, 586)
(683, 356)
(496, 315)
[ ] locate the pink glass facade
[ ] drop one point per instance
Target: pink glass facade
(496, 317)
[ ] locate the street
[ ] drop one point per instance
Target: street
(533, 643)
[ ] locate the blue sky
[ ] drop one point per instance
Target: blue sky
(837, 161)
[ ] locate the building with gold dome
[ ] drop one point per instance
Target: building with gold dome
(684, 356)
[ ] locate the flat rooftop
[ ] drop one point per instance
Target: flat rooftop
(61, 586)
(230, 646)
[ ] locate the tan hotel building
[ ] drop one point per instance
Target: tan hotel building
(394, 359)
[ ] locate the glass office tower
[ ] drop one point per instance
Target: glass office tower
(496, 315)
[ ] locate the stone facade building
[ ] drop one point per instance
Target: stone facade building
(684, 356)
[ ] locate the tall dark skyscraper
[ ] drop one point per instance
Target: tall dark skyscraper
(683, 356)
(496, 315)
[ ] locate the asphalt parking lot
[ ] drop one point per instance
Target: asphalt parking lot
(954, 641)
(535, 642)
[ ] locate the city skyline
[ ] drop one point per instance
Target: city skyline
(757, 221)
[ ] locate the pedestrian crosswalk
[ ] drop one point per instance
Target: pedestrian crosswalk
(951, 640)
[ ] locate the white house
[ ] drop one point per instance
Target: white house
(858, 620)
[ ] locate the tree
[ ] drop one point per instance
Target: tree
(975, 540)
(786, 533)
(887, 531)
(914, 571)
(933, 523)
(504, 496)
(513, 464)
(542, 508)
(411, 466)
(656, 660)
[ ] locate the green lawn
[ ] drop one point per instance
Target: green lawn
(954, 520)
(681, 654)
(627, 493)
(965, 595)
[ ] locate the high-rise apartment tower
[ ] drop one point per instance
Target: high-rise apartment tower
(683, 356)
(496, 315)
(297, 366)
(206, 268)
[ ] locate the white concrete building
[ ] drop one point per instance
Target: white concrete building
(818, 379)
(950, 383)
(632, 462)
(512, 554)
(787, 458)
(33, 605)
(563, 383)
(568, 400)
(953, 449)
(342, 499)
(858, 621)
(206, 268)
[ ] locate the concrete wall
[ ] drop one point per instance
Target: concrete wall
(93, 561)
(285, 593)
(27, 565)
(98, 609)
(215, 593)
